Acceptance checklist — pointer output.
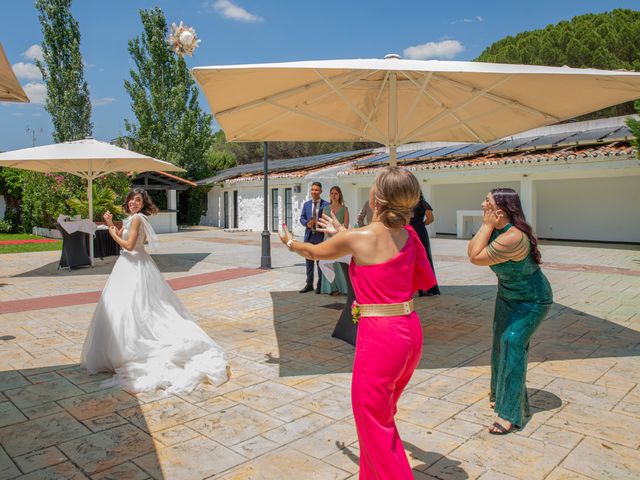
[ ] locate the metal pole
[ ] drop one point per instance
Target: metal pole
(90, 200)
(393, 118)
(265, 261)
(393, 156)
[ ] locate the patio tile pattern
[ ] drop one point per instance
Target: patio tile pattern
(286, 413)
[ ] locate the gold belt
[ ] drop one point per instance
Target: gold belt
(359, 310)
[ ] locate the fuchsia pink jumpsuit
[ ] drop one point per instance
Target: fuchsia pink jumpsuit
(388, 350)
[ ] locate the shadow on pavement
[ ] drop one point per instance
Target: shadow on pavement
(457, 327)
(167, 263)
(60, 422)
(448, 467)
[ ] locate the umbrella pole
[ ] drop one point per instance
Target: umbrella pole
(393, 119)
(393, 155)
(90, 199)
(265, 261)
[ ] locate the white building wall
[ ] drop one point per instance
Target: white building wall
(446, 200)
(596, 200)
(596, 209)
(251, 206)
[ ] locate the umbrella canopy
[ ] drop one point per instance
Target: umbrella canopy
(10, 89)
(88, 159)
(395, 101)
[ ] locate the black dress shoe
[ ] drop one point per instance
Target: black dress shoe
(307, 288)
(318, 290)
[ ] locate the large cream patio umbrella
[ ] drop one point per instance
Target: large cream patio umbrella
(10, 89)
(88, 159)
(394, 101)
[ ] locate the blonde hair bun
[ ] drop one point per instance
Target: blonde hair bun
(397, 192)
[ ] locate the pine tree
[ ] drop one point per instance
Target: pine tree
(609, 40)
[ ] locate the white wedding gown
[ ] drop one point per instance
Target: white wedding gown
(141, 331)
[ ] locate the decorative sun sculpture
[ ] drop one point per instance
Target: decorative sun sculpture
(183, 39)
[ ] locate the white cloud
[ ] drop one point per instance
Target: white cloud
(230, 10)
(34, 52)
(36, 91)
(27, 71)
(18, 114)
(445, 49)
(99, 102)
(477, 18)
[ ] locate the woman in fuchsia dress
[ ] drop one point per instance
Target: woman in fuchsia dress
(388, 265)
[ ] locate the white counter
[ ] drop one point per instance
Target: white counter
(164, 222)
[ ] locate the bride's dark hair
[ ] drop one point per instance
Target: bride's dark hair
(148, 207)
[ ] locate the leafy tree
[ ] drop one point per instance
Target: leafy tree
(43, 199)
(11, 181)
(68, 100)
(609, 40)
(251, 152)
(164, 98)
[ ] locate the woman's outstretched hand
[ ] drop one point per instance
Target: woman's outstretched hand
(328, 224)
(284, 234)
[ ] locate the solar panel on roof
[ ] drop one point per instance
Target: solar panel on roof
(622, 133)
(283, 165)
(590, 136)
(469, 149)
(511, 144)
(442, 152)
(549, 140)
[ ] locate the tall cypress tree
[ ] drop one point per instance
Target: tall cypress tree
(68, 100)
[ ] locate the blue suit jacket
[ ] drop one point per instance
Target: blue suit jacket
(305, 216)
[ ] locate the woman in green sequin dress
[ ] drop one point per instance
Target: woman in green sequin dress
(506, 243)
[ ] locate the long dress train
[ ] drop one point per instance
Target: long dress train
(141, 331)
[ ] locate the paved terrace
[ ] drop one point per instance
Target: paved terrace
(285, 414)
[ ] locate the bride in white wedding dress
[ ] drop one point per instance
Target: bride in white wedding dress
(140, 330)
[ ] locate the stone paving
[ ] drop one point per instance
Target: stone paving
(285, 413)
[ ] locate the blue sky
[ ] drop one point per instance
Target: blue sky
(252, 31)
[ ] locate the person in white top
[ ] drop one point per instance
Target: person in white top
(140, 329)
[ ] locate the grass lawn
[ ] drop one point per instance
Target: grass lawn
(27, 247)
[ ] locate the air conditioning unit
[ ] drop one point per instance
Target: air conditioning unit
(297, 188)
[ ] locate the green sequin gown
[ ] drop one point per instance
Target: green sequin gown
(339, 283)
(524, 298)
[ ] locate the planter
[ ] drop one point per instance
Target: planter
(46, 232)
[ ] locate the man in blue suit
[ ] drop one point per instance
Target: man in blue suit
(311, 211)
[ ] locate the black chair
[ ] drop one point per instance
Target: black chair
(104, 245)
(74, 249)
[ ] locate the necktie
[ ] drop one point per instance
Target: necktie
(315, 214)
